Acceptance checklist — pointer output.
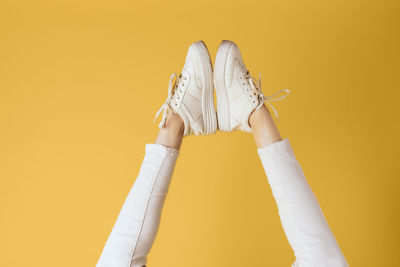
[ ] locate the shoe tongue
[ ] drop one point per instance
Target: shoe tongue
(188, 67)
(244, 69)
(184, 73)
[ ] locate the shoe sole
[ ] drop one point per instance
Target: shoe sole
(219, 83)
(208, 106)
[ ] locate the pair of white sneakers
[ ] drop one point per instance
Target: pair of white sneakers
(191, 95)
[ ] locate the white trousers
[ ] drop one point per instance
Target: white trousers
(302, 219)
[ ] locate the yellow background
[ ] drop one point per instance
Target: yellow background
(80, 83)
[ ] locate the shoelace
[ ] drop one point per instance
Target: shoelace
(175, 87)
(256, 87)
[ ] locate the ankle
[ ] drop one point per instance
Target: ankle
(172, 133)
(258, 116)
(263, 127)
(174, 122)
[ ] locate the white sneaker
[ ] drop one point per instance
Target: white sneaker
(191, 95)
(238, 94)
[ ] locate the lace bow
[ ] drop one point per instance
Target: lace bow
(256, 87)
(175, 88)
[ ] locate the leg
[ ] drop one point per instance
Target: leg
(189, 109)
(302, 219)
(136, 227)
